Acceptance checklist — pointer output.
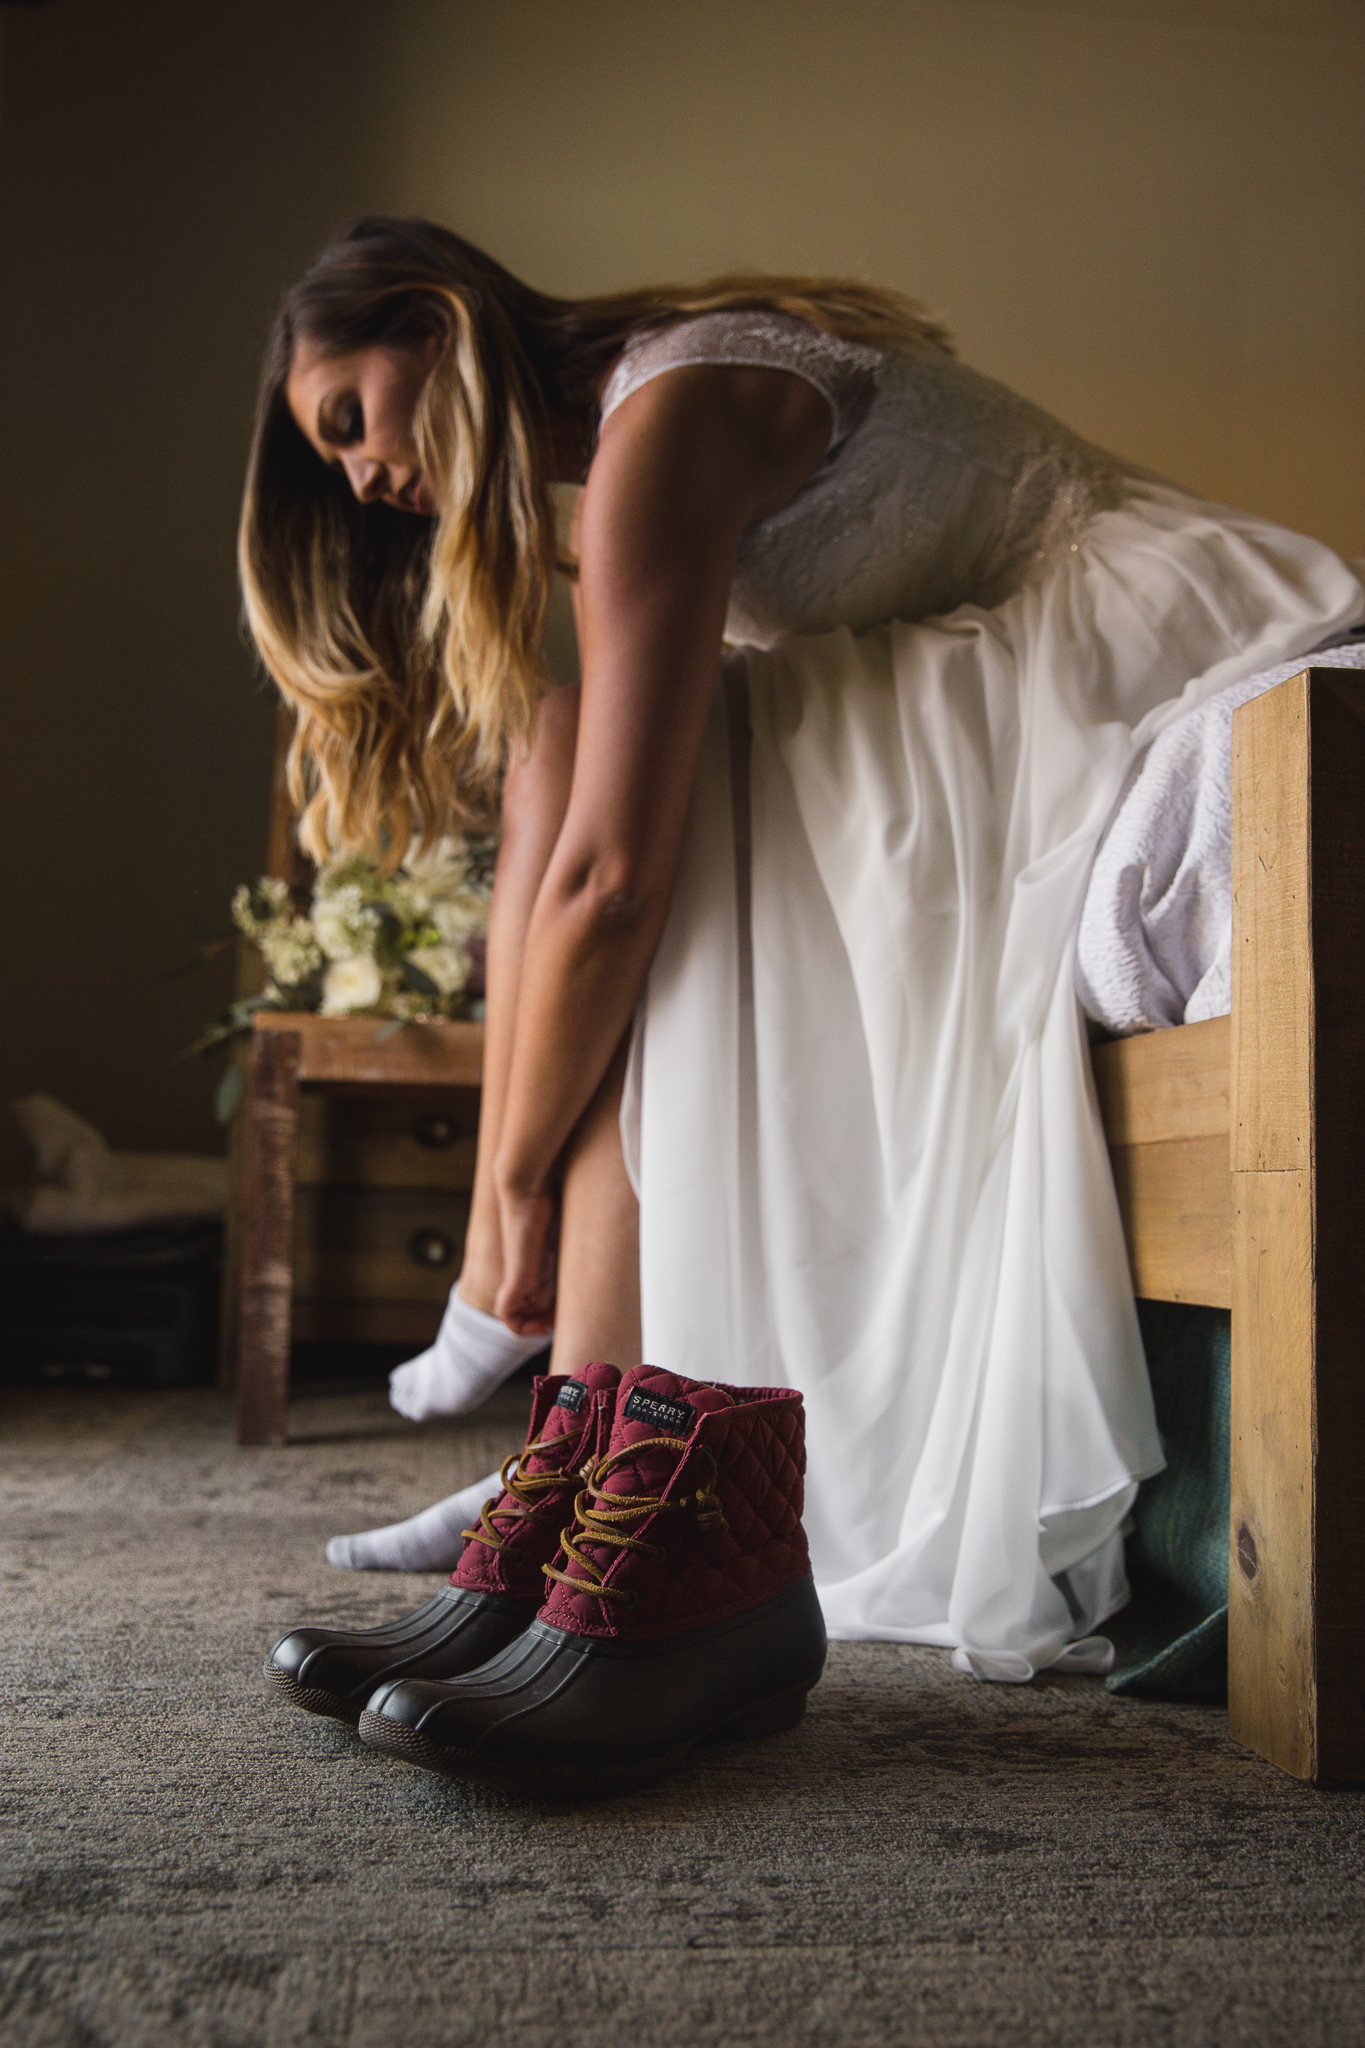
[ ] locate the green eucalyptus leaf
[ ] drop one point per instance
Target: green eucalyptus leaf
(415, 978)
(215, 1034)
(299, 995)
(228, 1094)
(208, 950)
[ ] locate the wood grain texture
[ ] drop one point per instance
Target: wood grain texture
(1164, 1100)
(367, 1050)
(353, 1244)
(300, 1220)
(271, 1112)
(405, 1138)
(1271, 1689)
(1272, 1005)
(1176, 1202)
(234, 1225)
(1296, 1637)
(1164, 1085)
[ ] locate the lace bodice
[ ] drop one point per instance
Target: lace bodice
(939, 486)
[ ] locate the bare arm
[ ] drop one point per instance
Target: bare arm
(683, 466)
(535, 799)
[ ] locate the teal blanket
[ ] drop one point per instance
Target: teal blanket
(1172, 1641)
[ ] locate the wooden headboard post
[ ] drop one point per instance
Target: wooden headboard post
(1297, 1585)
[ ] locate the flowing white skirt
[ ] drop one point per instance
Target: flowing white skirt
(859, 1113)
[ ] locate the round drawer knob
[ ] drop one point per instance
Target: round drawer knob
(430, 1248)
(434, 1131)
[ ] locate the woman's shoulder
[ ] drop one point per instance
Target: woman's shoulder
(846, 373)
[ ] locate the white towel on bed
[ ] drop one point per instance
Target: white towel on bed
(1155, 940)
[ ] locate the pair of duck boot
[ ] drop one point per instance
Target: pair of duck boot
(641, 1584)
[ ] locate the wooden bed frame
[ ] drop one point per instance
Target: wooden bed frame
(1235, 1145)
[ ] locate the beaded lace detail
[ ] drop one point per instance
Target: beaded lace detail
(844, 372)
(940, 487)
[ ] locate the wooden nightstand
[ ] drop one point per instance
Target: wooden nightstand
(353, 1158)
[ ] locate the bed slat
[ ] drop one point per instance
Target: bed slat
(1165, 1084)
(1175, 1198)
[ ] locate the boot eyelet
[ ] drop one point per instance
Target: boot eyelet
(631, 1599)
(515, 1556)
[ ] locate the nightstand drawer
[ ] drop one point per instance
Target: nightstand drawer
(378, 1244)
(398, 1140)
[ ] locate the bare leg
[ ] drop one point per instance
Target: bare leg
(597, 1311)
(597, 1314)
(474, 1352)
(598, 1307)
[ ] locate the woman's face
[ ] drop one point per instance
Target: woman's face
(357, 411)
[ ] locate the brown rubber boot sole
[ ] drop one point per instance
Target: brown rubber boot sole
(773, 1716)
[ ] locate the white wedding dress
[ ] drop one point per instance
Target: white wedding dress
(859, 1112)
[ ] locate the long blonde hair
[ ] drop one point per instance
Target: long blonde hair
(410, 649)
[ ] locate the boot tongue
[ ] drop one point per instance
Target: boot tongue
(652, 1403)
(569, 1411)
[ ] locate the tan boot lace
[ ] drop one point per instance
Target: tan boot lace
(525, 1488)
(606, 1520)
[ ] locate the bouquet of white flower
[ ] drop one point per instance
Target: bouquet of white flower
(408, 946)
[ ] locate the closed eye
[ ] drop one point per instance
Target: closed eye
(341, 420)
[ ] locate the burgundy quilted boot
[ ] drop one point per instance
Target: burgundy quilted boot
(496, 1587)
(681, 1606)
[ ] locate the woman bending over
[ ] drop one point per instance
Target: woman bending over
(781, 936)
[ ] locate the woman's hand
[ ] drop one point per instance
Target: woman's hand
(530, 1249)
(682, 467)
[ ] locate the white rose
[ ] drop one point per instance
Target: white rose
(354, 984)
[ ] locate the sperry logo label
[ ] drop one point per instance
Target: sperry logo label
(659, 1412)
(571, 1395)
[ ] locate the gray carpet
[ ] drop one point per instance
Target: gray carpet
(926, 1860)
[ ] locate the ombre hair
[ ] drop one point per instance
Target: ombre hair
(410, 648)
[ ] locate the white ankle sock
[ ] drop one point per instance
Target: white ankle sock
(472, 1356)
(429, 1542)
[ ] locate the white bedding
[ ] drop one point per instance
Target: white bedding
(1155, 940)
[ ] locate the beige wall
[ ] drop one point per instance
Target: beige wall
(1149, 221)
(163, 170)
(1150, 217)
